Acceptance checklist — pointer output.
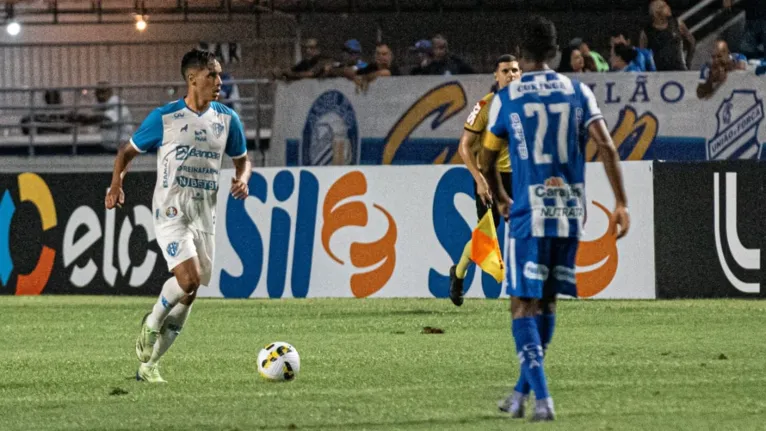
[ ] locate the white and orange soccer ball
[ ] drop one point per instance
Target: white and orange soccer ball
(279, 361)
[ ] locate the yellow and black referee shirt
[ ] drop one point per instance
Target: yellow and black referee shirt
(477, 123)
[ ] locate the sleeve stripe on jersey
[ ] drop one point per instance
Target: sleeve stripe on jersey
(472, 130)
(592, 119)
(136, 146)
(241, 155)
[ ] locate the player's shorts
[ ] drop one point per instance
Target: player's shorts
(540, 267)
(180, 242)
(481, 209)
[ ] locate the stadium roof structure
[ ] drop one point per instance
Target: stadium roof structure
(57, 11)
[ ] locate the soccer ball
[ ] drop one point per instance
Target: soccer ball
(279, 361)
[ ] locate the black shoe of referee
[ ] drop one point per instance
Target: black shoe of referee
(455, 287)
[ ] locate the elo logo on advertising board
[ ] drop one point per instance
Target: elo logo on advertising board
(373, 262)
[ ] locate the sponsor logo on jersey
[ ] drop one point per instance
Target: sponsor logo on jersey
(178, 115)
(200, 135)
(172, 249)
(475, 112)
(185, 128)
(198, 170)
(556, 187)
(196, 183)
(183, 152)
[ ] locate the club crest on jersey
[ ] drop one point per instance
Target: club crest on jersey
(736, 135)
(171, 212)
(200, 135)
(218, 129)
(172, 249)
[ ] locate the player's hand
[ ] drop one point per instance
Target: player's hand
(482, 189)
(621, 220)
(504, 207)
(239, 189)
(727, 4)
(115, 197)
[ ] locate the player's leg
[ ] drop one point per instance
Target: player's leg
(458, 272)
(530, 260)
(175, 321)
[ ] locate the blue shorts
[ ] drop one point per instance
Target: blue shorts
(541, 267)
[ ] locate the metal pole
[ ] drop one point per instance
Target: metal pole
(257, 98)
(32, 129)
(76, 129)
(119, 117)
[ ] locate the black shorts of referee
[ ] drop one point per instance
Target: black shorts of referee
(481, 209)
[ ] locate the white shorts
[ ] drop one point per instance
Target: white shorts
(180, 242)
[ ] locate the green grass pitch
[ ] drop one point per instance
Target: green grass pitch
(69, 363)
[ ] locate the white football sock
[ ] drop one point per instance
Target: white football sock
(169, 297)
(174, 322)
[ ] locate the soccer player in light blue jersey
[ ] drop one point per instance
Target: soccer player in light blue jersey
(190, 136)
(545, 119)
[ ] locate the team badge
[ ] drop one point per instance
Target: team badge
(218, 129)
(172, 249)
(171, 212)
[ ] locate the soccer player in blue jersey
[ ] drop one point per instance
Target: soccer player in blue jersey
(545, 119)
(190, 136)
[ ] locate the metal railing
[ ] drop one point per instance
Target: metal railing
(75, 124)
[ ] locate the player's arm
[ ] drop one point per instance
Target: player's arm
(611, 161)
(147, 137)
(236, 148)
(474, 125)
(494, 139)
(593, 120)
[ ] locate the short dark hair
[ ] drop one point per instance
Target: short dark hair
(505, 58)
(625, 52)
(197, 59)
(539, 40)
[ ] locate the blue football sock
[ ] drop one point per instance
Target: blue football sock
(530, 352)
(545, 325)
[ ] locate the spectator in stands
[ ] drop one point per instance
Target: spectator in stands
(112, 116)
(753, 44)
(383, 66)
(714, 72)
(623, 59)
(573, 61)
(349, 63)
(309, 67)
(644, 58)
(54, 114)
(601, 65)
(424, 50)
(668, 38)
(230, 93)
(444, 62)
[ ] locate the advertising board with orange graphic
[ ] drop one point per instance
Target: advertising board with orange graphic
(394, 231)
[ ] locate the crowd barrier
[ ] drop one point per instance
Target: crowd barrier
(378, 231)
(417, 120)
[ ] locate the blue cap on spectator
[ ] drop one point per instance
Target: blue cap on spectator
(353, 45)
(423, 45)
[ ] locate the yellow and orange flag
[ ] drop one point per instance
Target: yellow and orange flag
(485, 249)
